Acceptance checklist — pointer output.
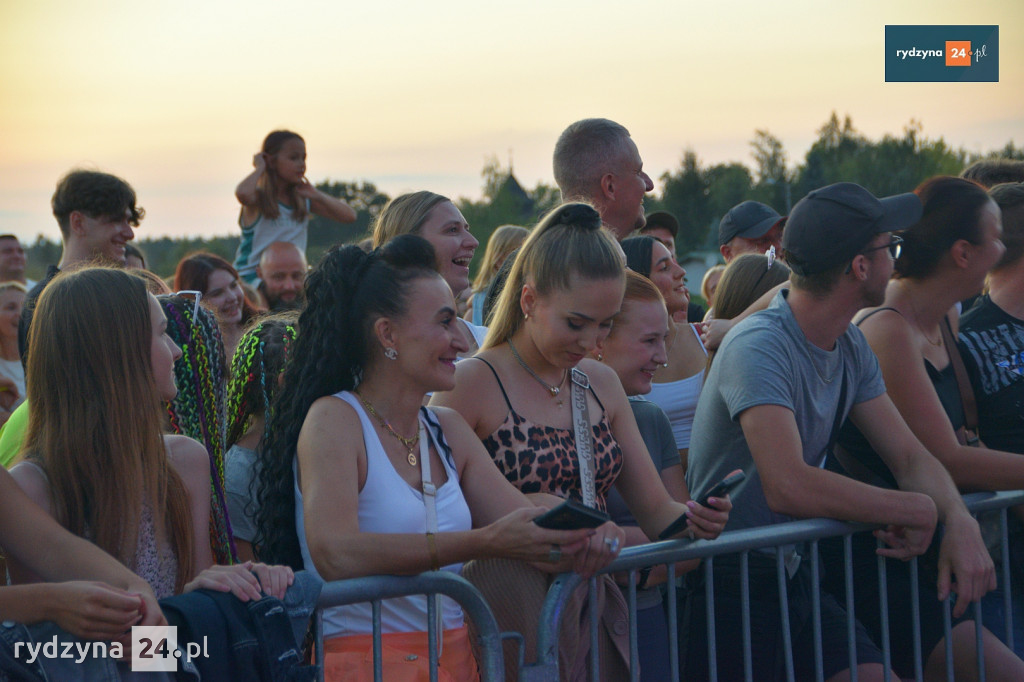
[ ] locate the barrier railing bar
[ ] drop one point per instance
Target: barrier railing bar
(595, 653)
(634, 653)
(673, 625)
(787, 634)
(748, 664)
(1007, 581)
(978, 646)
(851, 618)
(378, 644)
(915, 618)
(883, 605)
(709, 617)
(819, 664)
(432, 636)
(375, 588)
(947, 629)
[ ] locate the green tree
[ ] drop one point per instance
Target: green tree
(685, 194)
(367, 201)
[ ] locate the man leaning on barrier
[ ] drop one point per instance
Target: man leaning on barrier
(780, 385)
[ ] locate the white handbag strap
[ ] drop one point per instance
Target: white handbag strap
(584, 440)
(430, 504)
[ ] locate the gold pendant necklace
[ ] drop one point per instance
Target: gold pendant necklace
(409, 443)
(554, 390)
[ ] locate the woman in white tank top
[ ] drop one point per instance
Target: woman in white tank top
(677, 385)
(351, 451)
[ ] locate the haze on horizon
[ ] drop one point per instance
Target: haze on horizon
(176, 97)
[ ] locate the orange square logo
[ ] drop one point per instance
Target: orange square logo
(958, 53)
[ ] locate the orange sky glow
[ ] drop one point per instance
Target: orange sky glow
(176, 97)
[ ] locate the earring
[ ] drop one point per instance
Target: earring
(526, 316)
(600, 357)
(390, 353)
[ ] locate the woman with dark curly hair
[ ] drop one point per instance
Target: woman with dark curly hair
(379, 331)
(222, 293)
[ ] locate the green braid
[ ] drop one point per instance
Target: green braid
(259, 359)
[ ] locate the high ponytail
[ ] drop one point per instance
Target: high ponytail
(568, 241)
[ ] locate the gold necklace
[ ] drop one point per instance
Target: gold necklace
(554, 390)
(917, 320)
(409, 443)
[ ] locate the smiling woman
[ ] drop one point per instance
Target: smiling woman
(439, 221)
(378, 332)
(222, 293)
(563, 293)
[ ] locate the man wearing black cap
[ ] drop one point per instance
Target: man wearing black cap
(782, 382)
(750, 227)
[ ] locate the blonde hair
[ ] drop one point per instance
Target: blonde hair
(746, 279)
(404, 214)
(705, 282)
(503, 241)
(568, 241)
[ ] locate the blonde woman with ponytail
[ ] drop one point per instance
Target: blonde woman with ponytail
(563, 294)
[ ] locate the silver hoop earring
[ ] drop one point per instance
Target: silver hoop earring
(391, 353)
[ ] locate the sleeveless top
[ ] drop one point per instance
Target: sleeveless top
(264, 232)
(157, 565)
(542, 459)
(854, 442)
(387, 504)
(679, 401)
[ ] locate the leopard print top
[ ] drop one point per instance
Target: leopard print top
(542, 459)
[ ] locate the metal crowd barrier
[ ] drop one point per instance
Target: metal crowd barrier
(373, 589)
(545, 669)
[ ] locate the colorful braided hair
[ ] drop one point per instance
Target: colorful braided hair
(259, 360)
(198, 409)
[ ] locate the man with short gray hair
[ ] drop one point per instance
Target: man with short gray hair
(597, 161)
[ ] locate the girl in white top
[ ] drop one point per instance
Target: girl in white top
(378, 332)
(677, 384)
(277, 199)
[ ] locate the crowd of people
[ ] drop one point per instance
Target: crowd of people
(382, 413)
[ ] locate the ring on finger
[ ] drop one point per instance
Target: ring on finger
(690, 533)
(554, 554)
(613, 544)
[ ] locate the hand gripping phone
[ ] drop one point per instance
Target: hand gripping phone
(720, 489)
(571, 515)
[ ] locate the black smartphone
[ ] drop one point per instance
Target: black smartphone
(718, 490)
(571, 515)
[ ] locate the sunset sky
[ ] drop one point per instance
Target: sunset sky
(176, 97)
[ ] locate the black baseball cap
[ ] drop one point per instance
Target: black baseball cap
(750, 220)
(833, 224)
(662, 219)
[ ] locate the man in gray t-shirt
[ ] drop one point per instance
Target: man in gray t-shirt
(769, 406)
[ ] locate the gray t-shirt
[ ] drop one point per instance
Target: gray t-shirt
(767, 360)
(240, 467)
(656, 430)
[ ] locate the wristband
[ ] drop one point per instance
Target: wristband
(435, 562)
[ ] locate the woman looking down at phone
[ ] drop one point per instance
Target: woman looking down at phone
(635, 348)
(563, 292)
(379, 331)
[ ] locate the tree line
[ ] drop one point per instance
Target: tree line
(696, 193)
